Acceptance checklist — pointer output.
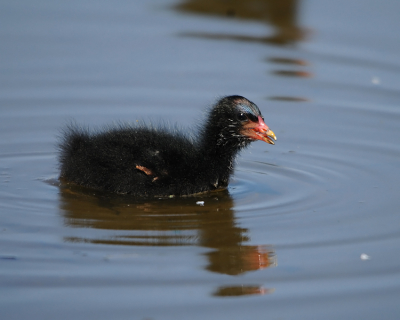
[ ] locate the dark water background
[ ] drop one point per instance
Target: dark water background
(308, 229)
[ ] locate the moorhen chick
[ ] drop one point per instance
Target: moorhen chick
(147, 161)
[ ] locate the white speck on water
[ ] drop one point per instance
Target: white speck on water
(200, 203)
(364, 256)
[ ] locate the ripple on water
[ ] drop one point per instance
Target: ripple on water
(264, 189)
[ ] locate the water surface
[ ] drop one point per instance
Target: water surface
(308, 228)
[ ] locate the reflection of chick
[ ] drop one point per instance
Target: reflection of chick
(162, 222)
(242, 290)
(240, 259)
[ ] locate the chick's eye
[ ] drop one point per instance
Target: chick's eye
(242, 116)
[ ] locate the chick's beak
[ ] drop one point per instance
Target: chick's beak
(259, 131)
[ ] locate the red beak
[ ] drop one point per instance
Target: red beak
(259, 131)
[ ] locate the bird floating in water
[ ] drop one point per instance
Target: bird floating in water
(147, 161)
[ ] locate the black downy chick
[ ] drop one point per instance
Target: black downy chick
(148, 162)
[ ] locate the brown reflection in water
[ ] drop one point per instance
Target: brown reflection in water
(300, 74)
(239, 259)
(236, 291)
(289, 99)
(166, 222)
(298, 62)
(290, 73)
(293, 73)
(282, 14)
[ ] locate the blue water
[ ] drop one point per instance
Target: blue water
(308, 229)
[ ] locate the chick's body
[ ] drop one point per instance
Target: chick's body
(148, 161)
